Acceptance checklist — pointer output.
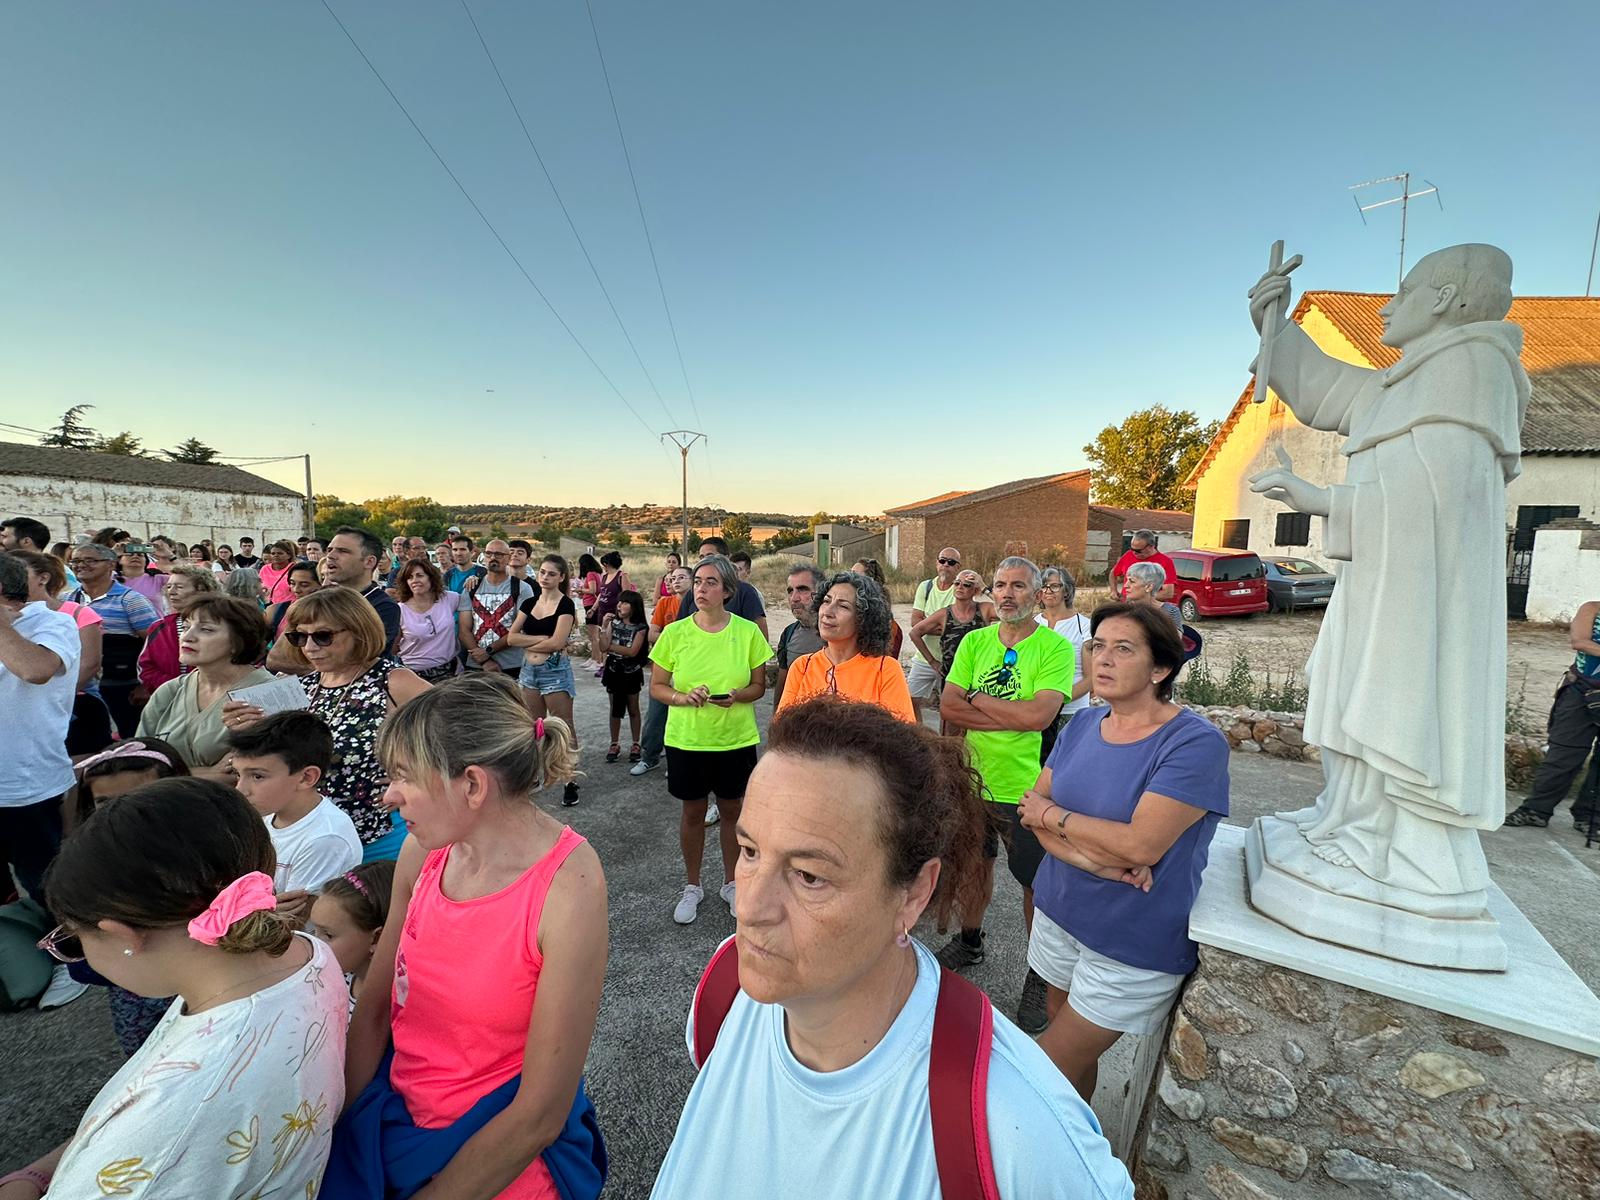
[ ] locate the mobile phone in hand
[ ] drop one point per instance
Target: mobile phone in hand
(720, 696)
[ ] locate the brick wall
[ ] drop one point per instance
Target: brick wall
(913, 554)
(1053, 514)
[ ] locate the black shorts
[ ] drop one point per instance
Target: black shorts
(619, 702)
(696, 774)
(1024, 852)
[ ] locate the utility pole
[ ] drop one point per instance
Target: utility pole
(1593, 247)
(683, 439)
(311, 503)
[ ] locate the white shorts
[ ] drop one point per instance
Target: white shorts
(1101, 990)
(925, 683)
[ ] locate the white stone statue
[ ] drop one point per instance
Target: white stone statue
(1407, 680)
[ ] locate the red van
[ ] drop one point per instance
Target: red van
(1219, 583)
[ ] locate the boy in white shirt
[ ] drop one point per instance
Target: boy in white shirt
(280, 760)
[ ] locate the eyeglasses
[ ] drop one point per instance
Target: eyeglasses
(322, 637)
(949, 562)
(1049, 587)
(78, 564)
(62, 945)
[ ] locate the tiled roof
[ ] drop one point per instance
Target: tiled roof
(953, 500)
(1560, 352)
(53, 463)
(1157, 520)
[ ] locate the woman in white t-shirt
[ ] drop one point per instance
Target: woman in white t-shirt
(1057, 594)
(235, 1092)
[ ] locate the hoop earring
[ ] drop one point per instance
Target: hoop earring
(903, 939)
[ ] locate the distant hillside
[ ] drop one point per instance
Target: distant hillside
(628, 516)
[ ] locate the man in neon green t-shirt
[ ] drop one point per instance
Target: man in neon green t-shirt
(1006, 685)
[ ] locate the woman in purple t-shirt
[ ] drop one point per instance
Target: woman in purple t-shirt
(1130, 795)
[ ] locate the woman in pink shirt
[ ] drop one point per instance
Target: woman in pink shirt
(275, 572)
(428, 642)
(495, 903)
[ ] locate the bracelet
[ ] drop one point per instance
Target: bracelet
(1061, 825)
(28, 1175)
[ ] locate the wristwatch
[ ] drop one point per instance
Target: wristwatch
(971, 692)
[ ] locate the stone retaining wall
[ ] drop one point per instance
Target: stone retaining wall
(1280, 1084)
(1282, 735)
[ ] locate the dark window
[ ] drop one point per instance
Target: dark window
(1294, 529)
(1236, 535)
(1533, 517)
(1188, 568)
(1242, 566)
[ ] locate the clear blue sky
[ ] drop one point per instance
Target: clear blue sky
(908, 246)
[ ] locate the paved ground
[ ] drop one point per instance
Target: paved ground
(52, 1063)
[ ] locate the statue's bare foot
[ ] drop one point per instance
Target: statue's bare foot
(1301, 818)
(1328, 852)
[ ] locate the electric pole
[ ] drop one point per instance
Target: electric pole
(683, 439)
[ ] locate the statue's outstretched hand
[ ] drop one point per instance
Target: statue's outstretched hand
(1283, 485)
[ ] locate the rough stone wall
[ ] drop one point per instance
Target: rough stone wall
(75, 507)
(1279, 1084)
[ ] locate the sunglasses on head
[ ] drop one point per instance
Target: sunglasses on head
(62, 945)
(322, 637)
(949, 562)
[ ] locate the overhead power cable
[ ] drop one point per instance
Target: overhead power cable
(571, 224)
(488, 224)
(648, 241)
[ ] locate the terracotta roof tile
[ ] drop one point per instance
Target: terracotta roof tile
(941, 497)
(1157, 520)
(53, 463)
(953, 500)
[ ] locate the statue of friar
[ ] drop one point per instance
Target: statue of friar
(1407, 680)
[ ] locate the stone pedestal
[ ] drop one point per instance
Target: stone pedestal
(1294, 1068)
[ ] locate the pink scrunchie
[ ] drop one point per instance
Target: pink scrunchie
(247, 894)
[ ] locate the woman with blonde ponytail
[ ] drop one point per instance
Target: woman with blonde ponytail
(235, 1092)
(494, 903)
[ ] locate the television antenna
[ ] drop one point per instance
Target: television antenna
(1403, 200)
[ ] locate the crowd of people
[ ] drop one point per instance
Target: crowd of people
(305, 814)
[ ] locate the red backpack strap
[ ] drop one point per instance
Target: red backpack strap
(958, 1090)
(713, 997)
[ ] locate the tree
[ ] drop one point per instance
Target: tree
(1143, 462)
(192, 450)
(411, 516)
(584, 533)
(70, 433)
(736, 528)
(122, 443)
(814, 520)
(620, 538)
(657, 536)
(548, 534)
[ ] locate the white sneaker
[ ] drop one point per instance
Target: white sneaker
(63, 989)
(727, 894)
(712, 815)
(688, 905)
(643, 766)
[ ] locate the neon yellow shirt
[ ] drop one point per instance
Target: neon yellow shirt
(1008, 759)
(722, 662)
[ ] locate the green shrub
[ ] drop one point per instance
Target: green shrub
(1198, 685)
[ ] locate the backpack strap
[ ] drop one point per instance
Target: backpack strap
(958, 1090)
(713, 998)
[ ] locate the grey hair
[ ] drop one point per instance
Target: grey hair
(725, 569)
(1147, 536)
(873, 616)
(1148, 573)
(811, 569)
(1069, 586)
(1017, 562)
(477, 720)
(244, 582)
(203, 578)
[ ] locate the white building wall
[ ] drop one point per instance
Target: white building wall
(76, 507)
(1565, 574)
(1557, 479)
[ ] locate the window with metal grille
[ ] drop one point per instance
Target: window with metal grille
(1294, 529)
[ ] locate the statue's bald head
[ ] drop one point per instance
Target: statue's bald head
(1480, 275)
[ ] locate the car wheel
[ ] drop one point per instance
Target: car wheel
(1189, 609)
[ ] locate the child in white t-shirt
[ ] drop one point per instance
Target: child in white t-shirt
(280, 760)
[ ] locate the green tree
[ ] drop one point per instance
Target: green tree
(70, 433)
(657, 536)
(122, 443)
(814, 520)
(620, 538)
(584, 533)
(411, 516)
(192, 450)
(1142, 462)
(548, 534)
(333, 512)
(736, 528)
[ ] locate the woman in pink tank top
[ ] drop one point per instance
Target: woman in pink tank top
(490, 965)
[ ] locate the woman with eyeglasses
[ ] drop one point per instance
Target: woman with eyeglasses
(709, 670)
(428, 642)
(952, 623)
(853, 621)
(354, 685)
(1131, 795)
(169, 892)
(1057, 595)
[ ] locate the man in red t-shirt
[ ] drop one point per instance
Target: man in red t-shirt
(1142, 548)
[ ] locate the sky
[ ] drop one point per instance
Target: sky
(907, 247)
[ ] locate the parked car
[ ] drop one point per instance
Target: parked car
(1219, 583)
(1297, 583)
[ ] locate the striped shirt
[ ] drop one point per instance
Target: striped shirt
(124, 611)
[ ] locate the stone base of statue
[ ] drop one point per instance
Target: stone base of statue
(1288, 882)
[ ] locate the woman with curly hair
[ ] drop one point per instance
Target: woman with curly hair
(854, 622)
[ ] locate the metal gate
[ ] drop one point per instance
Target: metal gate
(1519, 552)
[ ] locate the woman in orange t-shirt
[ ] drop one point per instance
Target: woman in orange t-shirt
(854, 621)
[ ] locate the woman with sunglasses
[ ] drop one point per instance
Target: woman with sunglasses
(1131, 794)
(256, 1032)
(353, 684)
(853, 621)
(952, 623)
(709, 670)
(428, 642)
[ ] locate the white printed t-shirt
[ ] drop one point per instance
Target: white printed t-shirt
(866, 1130)
(318, 846)
(239, 1100)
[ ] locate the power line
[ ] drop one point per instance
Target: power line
(571, 224)
(648, 241)
(488, 224)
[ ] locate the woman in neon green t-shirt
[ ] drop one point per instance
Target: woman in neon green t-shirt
(709, 670)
